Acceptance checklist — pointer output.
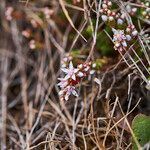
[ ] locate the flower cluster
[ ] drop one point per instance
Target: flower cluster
(110, 15)
(146, 11)
(72, 77)
(120, 38)
(131, 10)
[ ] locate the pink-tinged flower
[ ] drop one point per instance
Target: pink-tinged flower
(26, 33)
(66, 92)
(119, 39)
(120, 21)
(118, 35)
(8, 13)
(70, 90)
(70, 72)
(128, 37)
(132, 30)
(72, 78)
(104, 17)
(63, 83)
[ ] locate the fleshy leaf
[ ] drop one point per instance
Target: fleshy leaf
(141, 129)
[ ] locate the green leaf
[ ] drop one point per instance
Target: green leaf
(141, 129)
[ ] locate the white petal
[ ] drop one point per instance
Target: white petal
(94, 65)
(134, 33)
(111, 18)
(80, 74)
(104, 6)
(66, 97)
(75, 93)
(73, 77)
(65, 70)
(114, 30)
(109, 3)
(124, 44)
(120, 21)
(128, 8)
(67, 77)
(80, 66)
(128, 37)
(104, 18)
(76, 70)
(60, 84)
(117, 44)
(134, 9)
(92, 71)
(63, 65)
(60, 92)
(87, 68)
(70, 65)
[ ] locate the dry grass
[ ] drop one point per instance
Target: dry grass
(33, 117)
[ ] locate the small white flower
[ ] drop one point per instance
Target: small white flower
(117, 44)
(134, 10)
(119, 39)
(118, 35)
(128, 37)
(70, 90)
(128, 8)
(111, 18)
(80, 74)
(123, 16)
(92, 72)
(104, 6)
(134, 33)
(128, 29)
(80, 66)
(86, 68)
(120, 21)
(70, 72)
(94, 65)
(104, 18)
(108, 12)
(109, 3)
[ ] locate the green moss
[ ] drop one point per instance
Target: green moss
(104, 44)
